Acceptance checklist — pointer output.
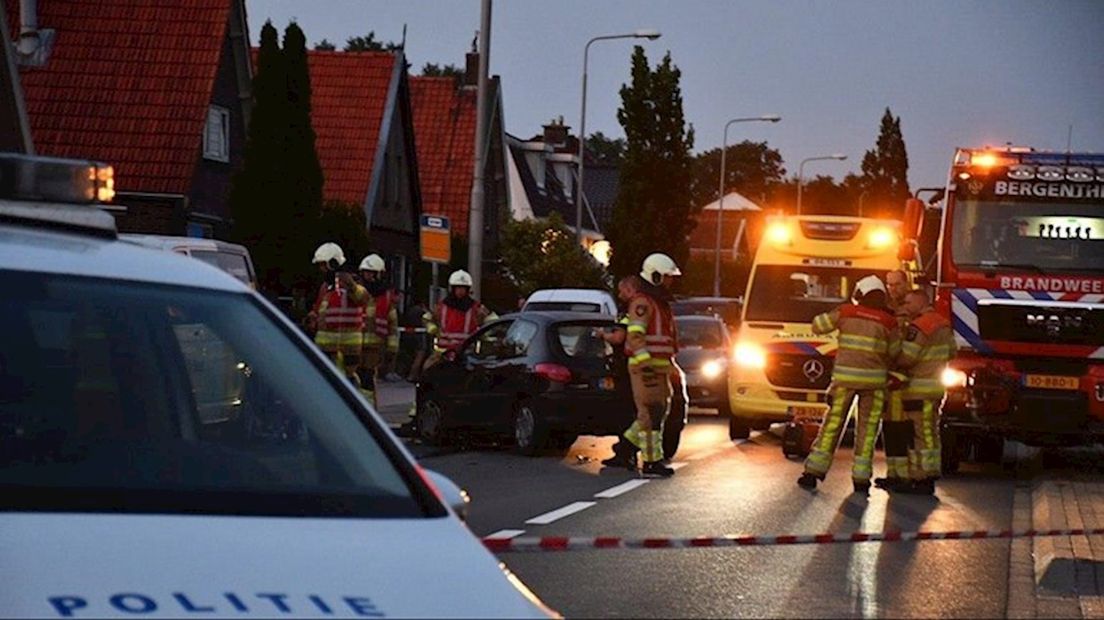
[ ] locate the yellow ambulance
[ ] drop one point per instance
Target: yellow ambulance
(805, 265)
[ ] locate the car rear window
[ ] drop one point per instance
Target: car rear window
(233, 264)
(582, 340)
(562, 306)
(137, 397)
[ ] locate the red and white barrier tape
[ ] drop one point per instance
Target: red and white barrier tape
(565, 543)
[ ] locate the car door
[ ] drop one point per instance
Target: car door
(507, 375)
(477, 361)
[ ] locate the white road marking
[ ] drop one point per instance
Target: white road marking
(506, 534)
(621, 489)
(560, 513)
(679, 465)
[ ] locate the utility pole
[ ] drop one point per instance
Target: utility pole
(475, 215)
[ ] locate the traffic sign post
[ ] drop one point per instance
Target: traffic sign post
(436, 244)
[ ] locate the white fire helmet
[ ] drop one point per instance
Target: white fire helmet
(460, 278)
(868, 284)
(327, 252)
(373, 262)
(656, 266)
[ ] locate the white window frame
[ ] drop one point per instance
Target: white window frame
(215, 151)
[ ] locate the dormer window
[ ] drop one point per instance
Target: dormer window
(216, 134)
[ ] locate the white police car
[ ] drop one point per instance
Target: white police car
(129, 486)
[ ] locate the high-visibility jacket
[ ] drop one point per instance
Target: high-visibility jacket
(340, 315)
(381, 321)
(452, 327)
(652, 338)
(869, 341)
(929, 343)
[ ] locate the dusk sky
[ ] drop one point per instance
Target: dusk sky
(958, 73)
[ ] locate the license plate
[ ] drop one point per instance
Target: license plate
(1052, 382)
(606, 383)
(805, 413)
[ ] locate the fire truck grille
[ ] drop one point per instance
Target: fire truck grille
(1042, 324)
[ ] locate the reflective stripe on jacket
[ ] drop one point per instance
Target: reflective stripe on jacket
(928, 345)
(869, 341)
(340, 309)
(651, 335)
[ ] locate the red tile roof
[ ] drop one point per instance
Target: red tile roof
(444, 134)
(348, 96)
(128, 83)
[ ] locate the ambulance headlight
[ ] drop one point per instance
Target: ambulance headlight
(712, 369)
(750, 355)
(953, 378)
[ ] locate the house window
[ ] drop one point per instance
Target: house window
(216, 134)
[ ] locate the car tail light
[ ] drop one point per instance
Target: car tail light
(553, 372)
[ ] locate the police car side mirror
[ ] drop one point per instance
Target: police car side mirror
(454, 496)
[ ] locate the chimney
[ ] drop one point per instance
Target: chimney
(555, 133)
(34, 44)
(471, 69)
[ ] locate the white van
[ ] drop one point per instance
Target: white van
(230, 257)
(571, 300)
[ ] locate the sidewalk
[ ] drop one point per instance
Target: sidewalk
(393, 401)
(1058, 577)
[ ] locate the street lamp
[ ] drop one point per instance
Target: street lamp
(801, 170)
(769, 118)
(646, 33)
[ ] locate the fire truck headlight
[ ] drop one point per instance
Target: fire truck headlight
(953, 378)
(750, 355)
(881, 238)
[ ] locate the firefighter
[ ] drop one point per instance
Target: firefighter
(650, 344)
(868, 343)
(456, 317)
(624, 451)
(928, 345)
(897, 286)
(338, 312)
(381, 335)
(896, 429)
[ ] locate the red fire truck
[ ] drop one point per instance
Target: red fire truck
(1020, 273)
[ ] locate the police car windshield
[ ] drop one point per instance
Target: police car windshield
(797, 293)
(1050, 236)
(133, 397)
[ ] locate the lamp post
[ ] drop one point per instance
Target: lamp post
(649, 34)
(801, 172)
(862, 197)
(768, 118)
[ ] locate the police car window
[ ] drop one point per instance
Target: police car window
(176, 400)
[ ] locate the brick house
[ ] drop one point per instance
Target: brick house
(160, 90)
(361, 113)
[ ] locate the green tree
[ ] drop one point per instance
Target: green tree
(751, 168)
(604, 149)
(257, 190)
(369, 43)
(434, 70)
(303, 197)
(654, 211)
(543, 254)
(885, 168)
(325, 46)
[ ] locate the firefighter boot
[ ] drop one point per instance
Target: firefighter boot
(657, 468)
(807, 481)
(862, 487)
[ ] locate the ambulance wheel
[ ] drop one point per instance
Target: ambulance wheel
(792, 440)
(738, 428)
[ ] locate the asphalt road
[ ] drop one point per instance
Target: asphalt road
(744, 487)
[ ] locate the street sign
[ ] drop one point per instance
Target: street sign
(435, 242)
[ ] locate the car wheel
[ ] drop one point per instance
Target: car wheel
(738, 428)
(430, 419)
(529, 433)
(564, 441)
